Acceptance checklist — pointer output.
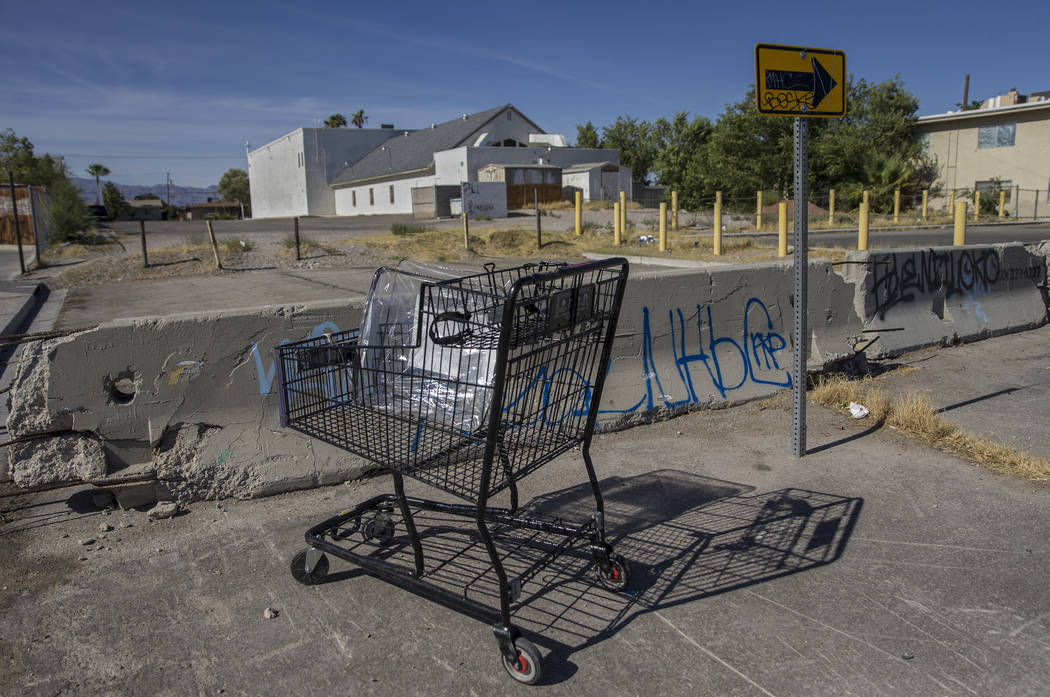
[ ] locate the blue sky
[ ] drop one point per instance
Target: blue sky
(180, 87)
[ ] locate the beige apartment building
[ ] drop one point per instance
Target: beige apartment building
(1006, 139)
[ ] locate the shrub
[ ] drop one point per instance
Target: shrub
(406, 229)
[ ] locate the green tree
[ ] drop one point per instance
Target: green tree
(335, 121)
(233, 186)
(586, 135)
(98, 171)
(66, 209)
(681, 155)
(358, 119)
(114, 201)
(636, 142)
(747, 151)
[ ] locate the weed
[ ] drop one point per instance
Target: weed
(913, 414)
(402, 229)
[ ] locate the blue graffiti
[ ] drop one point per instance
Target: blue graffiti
(756, 361)
(728, 363)
(266, 375)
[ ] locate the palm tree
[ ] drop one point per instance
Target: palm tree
(98, 171)
(359, 118)
(335, 121)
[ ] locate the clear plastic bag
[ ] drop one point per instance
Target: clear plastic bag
(404, 372)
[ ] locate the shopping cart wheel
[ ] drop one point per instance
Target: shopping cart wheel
(380, 529)
(619, 575)
(528, 668)
(309, 578)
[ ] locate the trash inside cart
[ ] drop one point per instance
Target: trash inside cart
(468, 385)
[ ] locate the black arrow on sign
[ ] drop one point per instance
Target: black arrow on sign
(819, 82)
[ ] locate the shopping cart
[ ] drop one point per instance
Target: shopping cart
(466, 384)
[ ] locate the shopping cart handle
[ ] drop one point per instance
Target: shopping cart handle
(450, 316)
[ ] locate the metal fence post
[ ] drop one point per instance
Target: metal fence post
(14, 210)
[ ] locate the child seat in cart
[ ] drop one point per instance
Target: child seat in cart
(467, 385)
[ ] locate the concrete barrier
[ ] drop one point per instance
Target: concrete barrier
(944, 295)
(186, 399)
(189, 401)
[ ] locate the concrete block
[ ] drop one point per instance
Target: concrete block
(60, 458)
(942, 295)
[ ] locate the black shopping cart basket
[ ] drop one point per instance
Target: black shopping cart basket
(466, 384)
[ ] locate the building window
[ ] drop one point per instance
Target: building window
(371, 197)
(998, 136)
(391, 193)
(990, 189)
(353, 199)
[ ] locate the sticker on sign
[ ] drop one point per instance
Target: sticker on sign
(800, 81)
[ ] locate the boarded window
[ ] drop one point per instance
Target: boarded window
(1001, 135)
(353, 199)
(371, 197)
(391, 193)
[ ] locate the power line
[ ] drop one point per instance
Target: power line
(157, 157)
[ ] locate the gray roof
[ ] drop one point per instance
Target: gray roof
(415, 151)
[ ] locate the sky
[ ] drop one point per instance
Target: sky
(149, 89)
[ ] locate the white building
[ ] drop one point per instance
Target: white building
(290, 176)
(599, 181)
(381, 179)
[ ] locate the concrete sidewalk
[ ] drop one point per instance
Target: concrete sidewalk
(873, 567)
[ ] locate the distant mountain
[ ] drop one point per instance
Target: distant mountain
(180, 195)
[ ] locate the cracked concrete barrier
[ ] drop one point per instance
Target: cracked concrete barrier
(708, 337)
(942, 295)
(187, 400)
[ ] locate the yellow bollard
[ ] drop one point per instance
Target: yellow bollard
(925, 200)
(862, 232)
(674, 211)
(831, 207)
(896, 205)
(865, 196)
(1002, 202)
(718, 224)
(758, 212)
(579, 212)
(976, 205)
(960, 224)
(663, 226)
(951, 203)
(616, 223)
(623, 213)
(782, 228)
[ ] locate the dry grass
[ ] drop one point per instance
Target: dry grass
(447, 245)
(913, 414)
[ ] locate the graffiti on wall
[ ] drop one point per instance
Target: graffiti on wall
(266, 374)
(695, 358)
(711, 358)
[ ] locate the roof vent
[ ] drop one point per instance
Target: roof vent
(406, 134)
(433, 125)
(464, 117)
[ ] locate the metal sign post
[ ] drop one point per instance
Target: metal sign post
(803, 83)
(801, 260)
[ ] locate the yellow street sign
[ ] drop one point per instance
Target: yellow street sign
(799, 81)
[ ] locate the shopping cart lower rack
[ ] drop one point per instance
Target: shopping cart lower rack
(466, 384)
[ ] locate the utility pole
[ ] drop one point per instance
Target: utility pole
(168, 199)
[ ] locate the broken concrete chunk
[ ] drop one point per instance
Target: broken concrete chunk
(269, 613)
(104, 527)
(164, 509)
(56, 459)
(87, 541)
